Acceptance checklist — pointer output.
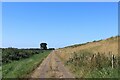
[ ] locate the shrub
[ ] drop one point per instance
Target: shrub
(88, 61)
(10, 54)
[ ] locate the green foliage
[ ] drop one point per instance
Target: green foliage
(103, 73)
(12, 54)
(88, 65)
(22, 67)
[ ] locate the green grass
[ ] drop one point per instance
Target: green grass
(22, 68)
(103, 73)
(84, 65)
(0, 72)
(84, 72)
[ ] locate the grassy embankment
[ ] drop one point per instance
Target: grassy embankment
(92, 59)
(22, 67)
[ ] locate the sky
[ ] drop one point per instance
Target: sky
(59, 24)
(59, 0)
(0, 24)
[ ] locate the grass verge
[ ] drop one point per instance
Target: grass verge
(21, 68)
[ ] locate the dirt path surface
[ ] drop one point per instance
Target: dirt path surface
(51, 67)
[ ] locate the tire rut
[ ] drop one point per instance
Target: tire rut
(51, 67)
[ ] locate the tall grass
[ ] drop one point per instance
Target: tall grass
(86, 64)
(22, 68)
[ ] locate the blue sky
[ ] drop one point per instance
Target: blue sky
(0, 24)
(26, 25)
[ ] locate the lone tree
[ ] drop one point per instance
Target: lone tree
(43, 46)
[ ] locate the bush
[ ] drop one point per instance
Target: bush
(88, 61)
(10, 54)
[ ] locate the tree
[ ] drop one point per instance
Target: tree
(43, 46)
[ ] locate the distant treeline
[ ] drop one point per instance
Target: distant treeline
(11, 54)
(28, 48)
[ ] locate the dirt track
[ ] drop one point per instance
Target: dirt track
(51, 67)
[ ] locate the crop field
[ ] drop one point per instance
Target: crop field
(19, 63)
